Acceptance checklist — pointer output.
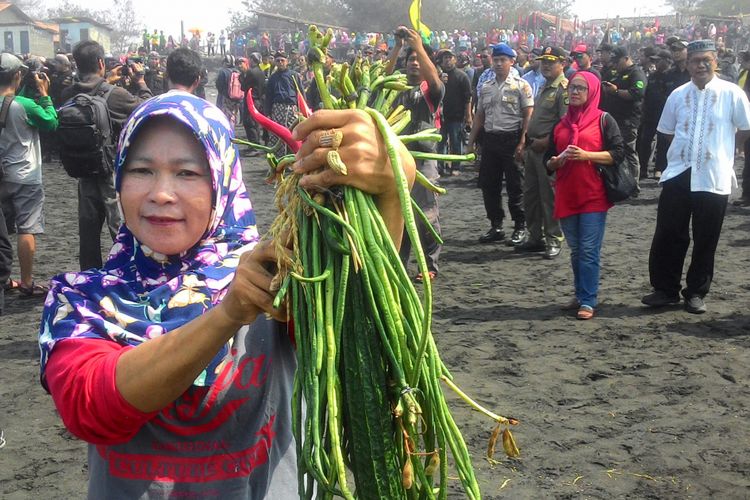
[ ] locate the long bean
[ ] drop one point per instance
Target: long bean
(368, 367)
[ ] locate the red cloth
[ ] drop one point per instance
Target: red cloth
(80, 376)
(579, 187)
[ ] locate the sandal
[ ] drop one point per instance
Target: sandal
(585, 312)
(419, 278)
(34, 290)
(11, 285)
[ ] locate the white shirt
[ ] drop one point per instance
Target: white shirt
(704, 124)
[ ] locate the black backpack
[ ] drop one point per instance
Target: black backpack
(87, 141)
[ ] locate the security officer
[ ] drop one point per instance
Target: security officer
(607, 67)
(503, 112)
(678, 75)
(550, 105)
(622, 98)
(154, 76)
(653, 103)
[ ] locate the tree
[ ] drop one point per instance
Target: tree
(68, 8)
(125, 24)
(32, 8)
(723, 7)
(120, 16)
(683, 7)
(242, 17)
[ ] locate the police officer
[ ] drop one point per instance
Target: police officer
(550, 105)
(503, 112)
(622, 97)
(154, 76)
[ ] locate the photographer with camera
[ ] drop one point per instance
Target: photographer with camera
(154, 76)
(21, 118)
(93, 165)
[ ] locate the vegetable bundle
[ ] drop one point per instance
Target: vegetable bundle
(367, 396)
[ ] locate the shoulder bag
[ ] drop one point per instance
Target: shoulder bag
(618, 180)
(4, 110)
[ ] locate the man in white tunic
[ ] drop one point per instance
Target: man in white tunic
(703, 119)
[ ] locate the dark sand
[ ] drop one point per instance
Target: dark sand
(633, 404)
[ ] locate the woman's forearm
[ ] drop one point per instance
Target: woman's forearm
(157, 372)
(600, 157)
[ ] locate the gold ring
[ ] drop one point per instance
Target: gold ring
(331, 139)
(334, 162)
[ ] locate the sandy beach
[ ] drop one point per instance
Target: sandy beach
(635, 403)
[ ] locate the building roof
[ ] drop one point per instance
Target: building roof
(51, 27)
(76, 20)
(22, 14)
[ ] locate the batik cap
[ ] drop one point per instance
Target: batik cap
(701, 46)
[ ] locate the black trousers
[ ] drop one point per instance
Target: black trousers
(6, 258)
(497, 163)
(646, 133)
(677, 205)
(97, 203)
(252, 129)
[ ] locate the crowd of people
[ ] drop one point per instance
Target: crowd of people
(545, 117)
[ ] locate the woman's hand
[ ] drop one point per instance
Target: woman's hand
(250, 292)
(362, 149)
(554, 163)
(577, 154)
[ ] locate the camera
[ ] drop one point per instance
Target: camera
(36, 68)
(401, 33)
(110, 63)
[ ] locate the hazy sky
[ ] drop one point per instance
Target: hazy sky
(211, 15)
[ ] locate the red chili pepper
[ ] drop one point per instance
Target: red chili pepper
(302, 105)
(270, 125)
(304, 108)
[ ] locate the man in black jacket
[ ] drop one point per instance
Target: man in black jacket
(97, 198)
(678, 75)
(281, 98)
(456, 111)
(622, 97)
(254, 81)
(653, 103)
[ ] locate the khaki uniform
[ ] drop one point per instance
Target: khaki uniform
(503, 102)
(550, 105)
(503, 105)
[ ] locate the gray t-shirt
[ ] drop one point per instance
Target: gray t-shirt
(20, 150)
(232, 440)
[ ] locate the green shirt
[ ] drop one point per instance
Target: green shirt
(20, 150)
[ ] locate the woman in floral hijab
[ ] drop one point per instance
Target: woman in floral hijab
(162, 360)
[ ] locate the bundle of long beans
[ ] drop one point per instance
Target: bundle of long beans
(367, 394)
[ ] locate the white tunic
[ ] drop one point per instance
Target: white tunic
(704, 124)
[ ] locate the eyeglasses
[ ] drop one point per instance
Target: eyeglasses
(575, 89)
(705, 61)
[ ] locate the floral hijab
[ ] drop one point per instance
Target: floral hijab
(140, 294)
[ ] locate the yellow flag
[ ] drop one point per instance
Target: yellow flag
(415, 15)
